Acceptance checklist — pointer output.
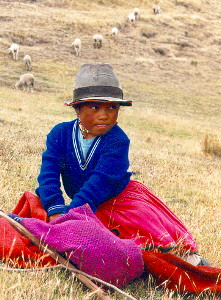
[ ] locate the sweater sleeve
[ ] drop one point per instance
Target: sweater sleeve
(108, 179)
(49, 189)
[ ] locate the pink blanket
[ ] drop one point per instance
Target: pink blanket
(90, 246)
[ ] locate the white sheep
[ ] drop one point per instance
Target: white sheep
(26, 82)
(77, 46)
(98, 40)
(137, 13)
(131, 18)
(157, 10)
(14, 49)
(114, 32)
(27, 62)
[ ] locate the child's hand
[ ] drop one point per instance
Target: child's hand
(53, 217)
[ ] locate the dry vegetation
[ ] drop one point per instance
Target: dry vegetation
(169, 65)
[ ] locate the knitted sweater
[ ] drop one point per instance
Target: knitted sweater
(102, 176)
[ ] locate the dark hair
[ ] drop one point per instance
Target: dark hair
(79, 105)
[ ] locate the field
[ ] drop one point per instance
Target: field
(169, 66)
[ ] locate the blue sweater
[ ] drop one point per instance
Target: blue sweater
(102, 176)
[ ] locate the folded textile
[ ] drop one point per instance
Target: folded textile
(14, 247)
(88, 244)
(172, 272)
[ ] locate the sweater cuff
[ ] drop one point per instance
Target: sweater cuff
(56, 209)
(15, 217)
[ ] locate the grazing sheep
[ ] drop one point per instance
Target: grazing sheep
(114, 32)
(137, 13)
(131, 18)
(14, 49)
(26, 82)
(157, 10)
(77, 46)
(27, 62)
(98, 40)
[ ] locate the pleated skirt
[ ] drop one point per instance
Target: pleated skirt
(138, 214)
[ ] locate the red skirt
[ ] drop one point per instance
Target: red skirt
(137, 214)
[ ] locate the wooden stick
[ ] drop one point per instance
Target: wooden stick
(82, 276)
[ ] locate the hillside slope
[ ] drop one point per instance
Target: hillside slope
(177, 52)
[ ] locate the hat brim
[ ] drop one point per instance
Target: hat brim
(123, 102)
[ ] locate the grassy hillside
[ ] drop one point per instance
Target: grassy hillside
(168, 64)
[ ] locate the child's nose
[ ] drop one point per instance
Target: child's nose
(103, 114)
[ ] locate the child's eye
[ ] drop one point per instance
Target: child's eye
(94, 107)
(114, 106)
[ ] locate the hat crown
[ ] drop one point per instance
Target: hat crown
(96, 75)
(97, 82)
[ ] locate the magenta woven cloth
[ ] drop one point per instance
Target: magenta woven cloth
(90, 246)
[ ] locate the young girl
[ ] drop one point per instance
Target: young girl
(90, 154)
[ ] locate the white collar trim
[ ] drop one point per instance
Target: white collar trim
(83, 164)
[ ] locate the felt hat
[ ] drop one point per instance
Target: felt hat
(97, 83)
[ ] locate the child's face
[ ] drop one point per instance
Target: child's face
(98, 118)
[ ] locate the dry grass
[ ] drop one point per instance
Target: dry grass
(212, 145)
(176, 100)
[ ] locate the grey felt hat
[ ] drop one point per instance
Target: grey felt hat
(97, 83)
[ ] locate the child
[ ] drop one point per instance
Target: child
(90, 154)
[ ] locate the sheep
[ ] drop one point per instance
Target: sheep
(114, 32)
(98, 40)
(157, 10)
(77, 46)
(27, 62)
(131, 18)
(26, 82)
(14, 49)
(136, 13)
